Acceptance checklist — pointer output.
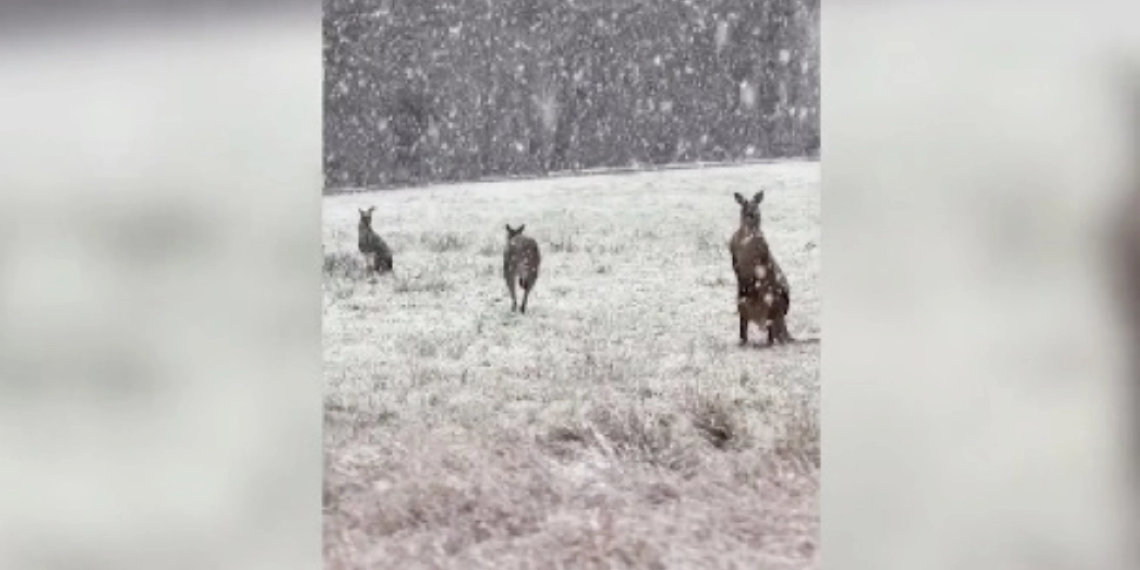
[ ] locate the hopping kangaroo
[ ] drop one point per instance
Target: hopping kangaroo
(375, 251)
(520, 264)
(763, 294)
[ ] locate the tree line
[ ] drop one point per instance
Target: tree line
(457, 90)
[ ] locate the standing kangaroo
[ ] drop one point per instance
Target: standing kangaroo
(520, 264)
(763, 294)
(375, 250)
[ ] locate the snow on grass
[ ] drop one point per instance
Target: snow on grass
(616, 424)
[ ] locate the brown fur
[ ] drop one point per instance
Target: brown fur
(763, 294)
(375, 250)
(521, 260)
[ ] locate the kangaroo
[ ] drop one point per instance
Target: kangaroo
(763, 294)
(521, 259)
(375, 250)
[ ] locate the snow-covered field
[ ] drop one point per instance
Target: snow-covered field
(616, 424)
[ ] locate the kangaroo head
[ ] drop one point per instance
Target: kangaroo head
(514, 232)
(750, 210)
(366, 217)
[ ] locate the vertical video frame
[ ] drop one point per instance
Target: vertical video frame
(571, 284)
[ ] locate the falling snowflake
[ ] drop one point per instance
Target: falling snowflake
(747, 95)
(721, 35)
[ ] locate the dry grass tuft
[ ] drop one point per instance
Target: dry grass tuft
(799, 436)
(564, 243)
(433, 284)
(720, 425)
(629, 435)
(443, 242)
(340, 265)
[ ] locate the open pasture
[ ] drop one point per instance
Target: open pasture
(616, 424)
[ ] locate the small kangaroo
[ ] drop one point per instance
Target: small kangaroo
(521, 259)
(763, 294)
(376, 251)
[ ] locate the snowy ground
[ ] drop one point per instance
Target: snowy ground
(617, 424)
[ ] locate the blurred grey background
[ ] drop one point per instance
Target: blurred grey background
(159, 328)
(976, 395)
(60, 17)
(159, 294)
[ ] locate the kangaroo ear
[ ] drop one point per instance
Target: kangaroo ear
(509, 230)
(759, 197)
(371, 209)
(521, 228)
(739, 199)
